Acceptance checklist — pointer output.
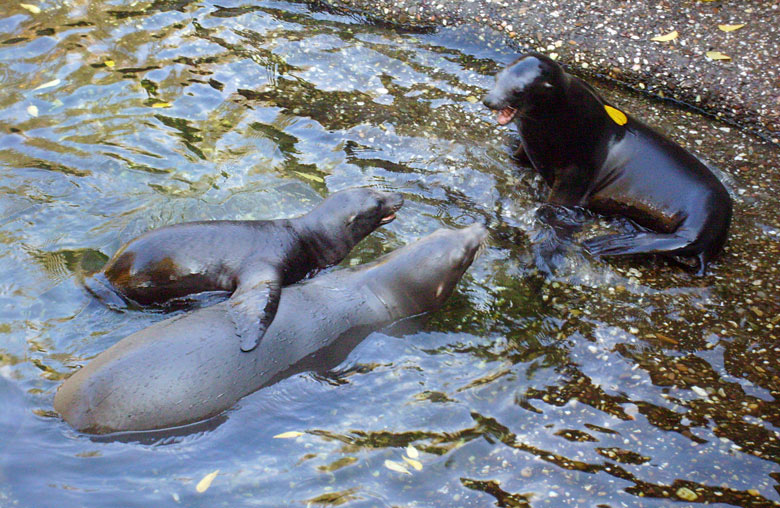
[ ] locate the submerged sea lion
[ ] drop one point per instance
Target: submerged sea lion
(185, 369)
(593, 155)
(251, 259)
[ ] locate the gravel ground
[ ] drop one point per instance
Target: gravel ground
(612, 38)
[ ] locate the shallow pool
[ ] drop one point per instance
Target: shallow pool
(625, 382)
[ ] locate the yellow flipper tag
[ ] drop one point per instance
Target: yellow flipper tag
(616, 115)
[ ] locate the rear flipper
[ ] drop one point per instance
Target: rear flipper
(646, 243)
(99, 287)
(253, 305)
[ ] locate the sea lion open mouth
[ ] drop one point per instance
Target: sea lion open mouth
(390, 217)
(506, 115)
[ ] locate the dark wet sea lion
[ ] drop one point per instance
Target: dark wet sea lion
(593, 155)
(251, 259)
(185, 369)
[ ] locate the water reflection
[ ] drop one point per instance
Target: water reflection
(625, 382)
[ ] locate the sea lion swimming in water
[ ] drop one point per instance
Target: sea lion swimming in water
(593, 155)
(185, 369)
(250, 259)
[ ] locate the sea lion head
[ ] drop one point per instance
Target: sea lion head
(345, 218)
(527, 81)
(421, 276)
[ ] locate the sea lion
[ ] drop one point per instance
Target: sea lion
(184, 369)
(593, 155)
(251, 259)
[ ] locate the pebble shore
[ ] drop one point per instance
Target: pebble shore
(704, 58)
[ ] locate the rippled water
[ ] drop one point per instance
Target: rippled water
(619, 383)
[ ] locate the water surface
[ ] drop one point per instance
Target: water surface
(626, 382)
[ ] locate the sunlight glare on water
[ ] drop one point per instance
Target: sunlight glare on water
(609, 383)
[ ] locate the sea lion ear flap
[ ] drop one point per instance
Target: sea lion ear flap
(253, 305)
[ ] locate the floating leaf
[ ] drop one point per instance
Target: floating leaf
(471, 99)
(32, 8)
(731, 28)
(48, 84)
(395, 466)
(412, 452)
(205, 483)
(616, 115)
(665, 338)
(32, 110)
(666, 38)
(288, 435)
(109, 63)
(717, 55)
(313, 178)
(162, 105)
(414, 463)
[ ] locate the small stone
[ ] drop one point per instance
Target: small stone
(686, 494)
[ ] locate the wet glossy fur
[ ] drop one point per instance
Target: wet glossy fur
(589, 160)
(185, 369)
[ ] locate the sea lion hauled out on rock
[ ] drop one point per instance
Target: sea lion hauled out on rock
(185, 369)
(251, 259)
(593, 155)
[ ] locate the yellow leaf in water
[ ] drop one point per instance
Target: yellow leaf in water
(471, 99)
(288, 435)
(48, 84)
(731, 28)
(313, 178)
(414, 463)
(616, 115)
(109, 63)
(162, 105)
(32, 8)
(412, 452)
(717, 55)
(32, 110)
(395, 466)
(666, 38)
(205, 483)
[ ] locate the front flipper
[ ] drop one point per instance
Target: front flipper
(551, 243)
(570, 186)
(253, 305)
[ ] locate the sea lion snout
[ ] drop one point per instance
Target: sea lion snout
(524, 81)
(391, 202)
(475, 238)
